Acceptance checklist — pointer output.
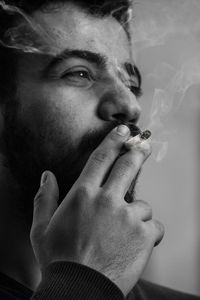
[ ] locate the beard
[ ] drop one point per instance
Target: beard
(28, 157)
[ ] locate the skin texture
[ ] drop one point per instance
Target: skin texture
(56, 124)
(62, 122)
(94, 225)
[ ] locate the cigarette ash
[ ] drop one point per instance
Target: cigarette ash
(136, 140)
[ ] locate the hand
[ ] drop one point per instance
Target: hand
(94, 225)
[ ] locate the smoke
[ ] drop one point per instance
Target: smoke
(157, 20)
(28, 36)
(170, 29)
(167, 26)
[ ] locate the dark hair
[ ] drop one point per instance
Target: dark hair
(8, 58)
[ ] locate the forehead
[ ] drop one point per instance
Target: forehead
(72, 28)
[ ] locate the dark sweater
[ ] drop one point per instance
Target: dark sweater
(71, 281)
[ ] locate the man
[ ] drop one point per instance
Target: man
(65, 109)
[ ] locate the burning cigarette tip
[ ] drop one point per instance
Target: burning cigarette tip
(138, 139)
(145, 134)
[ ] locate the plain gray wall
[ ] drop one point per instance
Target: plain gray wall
(167, 47)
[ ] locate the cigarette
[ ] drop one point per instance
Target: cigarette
(138, 139)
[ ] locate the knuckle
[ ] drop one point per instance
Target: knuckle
(159, 226)
(160, 232)
(32, 234)
(38, 197)
(105, 200)
(83, 192)
(99, 156)
(126, 212)
(36, 232)
(144, 205)
(128, 216)
(148, 214)
(139, 228)
(147, 231)
(125, 164)
(107, 197)
(155, 232)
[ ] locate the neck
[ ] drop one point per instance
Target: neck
(17, 259)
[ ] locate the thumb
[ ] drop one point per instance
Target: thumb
(45, 201)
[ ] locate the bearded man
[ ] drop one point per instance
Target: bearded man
(69, 104)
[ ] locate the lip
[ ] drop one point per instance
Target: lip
(135, 130)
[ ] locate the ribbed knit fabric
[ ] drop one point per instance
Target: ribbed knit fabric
(72, 281)
(10, 289)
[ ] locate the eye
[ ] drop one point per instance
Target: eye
(134, 88)
(78, 77)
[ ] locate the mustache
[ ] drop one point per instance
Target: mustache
(93, 138)
(134, 129)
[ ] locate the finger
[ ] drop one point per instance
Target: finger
(156, 231)
(126, 169)
(45, 202)
(141, 209)
(104, 156)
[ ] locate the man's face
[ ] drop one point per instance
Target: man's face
(67, 103)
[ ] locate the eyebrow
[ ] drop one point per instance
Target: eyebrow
(94, 58)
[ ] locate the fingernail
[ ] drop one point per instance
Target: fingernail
(123, 130)
(43, 178)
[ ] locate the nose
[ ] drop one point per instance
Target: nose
(118, 103)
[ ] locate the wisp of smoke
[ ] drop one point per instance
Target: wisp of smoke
(28, 36)
(154, 23)
(172, 25)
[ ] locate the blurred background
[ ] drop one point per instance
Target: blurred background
(166, 35)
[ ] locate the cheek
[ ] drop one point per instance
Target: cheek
(58, 111)
(71, 112)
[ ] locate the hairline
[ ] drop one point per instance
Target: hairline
(49, 6)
